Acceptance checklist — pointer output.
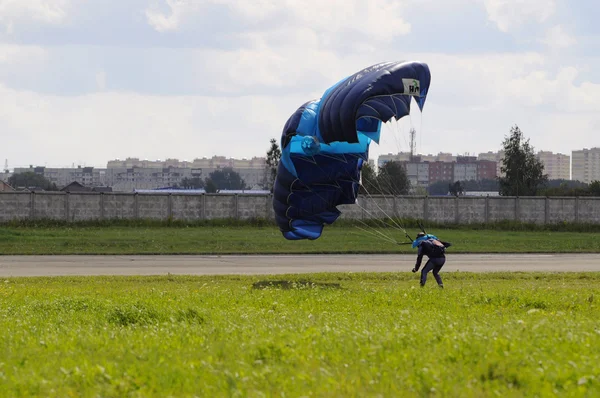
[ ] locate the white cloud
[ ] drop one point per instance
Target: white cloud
(557, 39)
(473, 98)
(379, 20)
(101, 80)
(179, 10)
(97, 127)
(509, 14)
(13, 12)
(266, 58)
(13, 54)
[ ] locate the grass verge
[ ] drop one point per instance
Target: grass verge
(508, 334)
(215, 239)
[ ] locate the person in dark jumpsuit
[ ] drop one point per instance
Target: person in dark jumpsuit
(435, 250)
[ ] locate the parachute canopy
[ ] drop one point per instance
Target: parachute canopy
(325, 143)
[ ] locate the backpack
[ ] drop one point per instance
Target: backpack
(437, 248)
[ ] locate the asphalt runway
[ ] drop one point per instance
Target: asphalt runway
(284, 264)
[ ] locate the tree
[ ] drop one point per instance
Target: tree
(273, 157)
(456, 189)
(368, 180)
(523, 171)
(30, 179)
(561, 187)
(192, 183)
(439, 188)
(226, 178)
(210, 186)
(594, 188)
(393, 180)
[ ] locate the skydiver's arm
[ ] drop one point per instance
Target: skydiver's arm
(419, 260)
(446, 244)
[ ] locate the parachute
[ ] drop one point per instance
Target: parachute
(325, 143)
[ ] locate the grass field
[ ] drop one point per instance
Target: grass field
(267, 239)
(513, 334)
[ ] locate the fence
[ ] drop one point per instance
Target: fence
(163, 206)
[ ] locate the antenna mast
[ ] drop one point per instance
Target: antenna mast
(413, 144)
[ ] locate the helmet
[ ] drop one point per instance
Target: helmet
(420, 235)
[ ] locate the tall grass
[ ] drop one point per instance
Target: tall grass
(503, 334)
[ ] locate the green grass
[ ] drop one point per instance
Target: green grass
(214, 239)
(506, 334)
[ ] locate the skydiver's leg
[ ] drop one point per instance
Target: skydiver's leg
(438, 264)
(426, 269)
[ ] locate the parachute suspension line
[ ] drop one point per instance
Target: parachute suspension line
(398, 223)
(379, 221)
(421, 134)
(378, 234)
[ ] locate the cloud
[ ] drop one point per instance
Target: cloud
(101, 80)
(511, 14)
(102, 126)
(557, 39)
(178, 11)
(380, 20)
(183, 78)
(13, 12)
(14, 54)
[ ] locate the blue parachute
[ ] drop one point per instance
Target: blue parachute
(325, 143)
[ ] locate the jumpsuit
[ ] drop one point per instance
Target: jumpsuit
(436, 261)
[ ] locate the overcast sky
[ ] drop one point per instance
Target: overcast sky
(87, 81)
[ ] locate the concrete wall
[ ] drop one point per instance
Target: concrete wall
(162, 206)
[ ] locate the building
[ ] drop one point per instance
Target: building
(134, 174)
(465, 171)
(586, 165)
(87, 176)
(556, 165)
(418, 174)
(493, 157)
(4, 187)
(441, 171)
(424, 170)
(487, 170)
(399, 157)
(77, 187)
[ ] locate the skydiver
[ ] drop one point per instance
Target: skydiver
(435, 250)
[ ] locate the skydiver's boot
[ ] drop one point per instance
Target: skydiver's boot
(441, 285)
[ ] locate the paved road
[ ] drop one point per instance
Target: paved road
(214, 265)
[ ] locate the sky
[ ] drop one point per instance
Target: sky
(83, 82)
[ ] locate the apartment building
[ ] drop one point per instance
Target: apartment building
(586, 165)
(441, 171)
(87, 176)
(135, 174)
(556, 165)
(493, 157)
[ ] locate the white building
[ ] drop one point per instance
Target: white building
(87, 176)
(586, 165)
(465, 171)
(135, 174)
(556, 165)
